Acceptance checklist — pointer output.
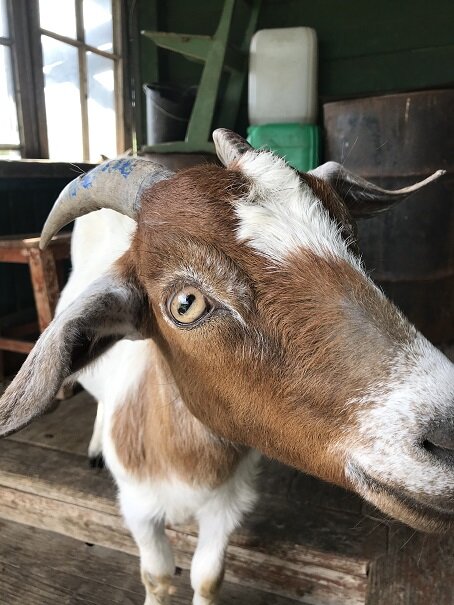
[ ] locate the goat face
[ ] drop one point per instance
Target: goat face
(248, 280)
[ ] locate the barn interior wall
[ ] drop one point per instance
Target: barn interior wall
(365, 47)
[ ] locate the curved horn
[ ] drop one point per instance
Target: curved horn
(229, 145)
(363, 197)
(115, 184)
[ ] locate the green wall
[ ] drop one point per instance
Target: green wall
(365, 47)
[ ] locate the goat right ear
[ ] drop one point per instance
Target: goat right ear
(362, 197)
(110, 309)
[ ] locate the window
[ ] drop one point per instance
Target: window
(63, 81)
(10, 145)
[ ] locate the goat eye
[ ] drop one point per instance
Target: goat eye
(188, 305)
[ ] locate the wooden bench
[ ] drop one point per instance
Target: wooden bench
(46, 274)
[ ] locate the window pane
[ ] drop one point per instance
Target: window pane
(61, 90)
(101, 107)
(4, 29)
(9, 131)
(98, 24)
(58, 17)
(10, 154)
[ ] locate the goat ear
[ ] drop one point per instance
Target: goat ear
(110, 309)
(362, 197)
(229, 146)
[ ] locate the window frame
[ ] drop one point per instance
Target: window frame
(9, 41)
(27, 66)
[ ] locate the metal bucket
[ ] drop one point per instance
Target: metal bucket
(168, 112)
(395, 140)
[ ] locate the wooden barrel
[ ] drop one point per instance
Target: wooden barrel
(395, 140)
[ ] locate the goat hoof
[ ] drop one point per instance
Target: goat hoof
(200, 600)
(155, 600)
(96, 461)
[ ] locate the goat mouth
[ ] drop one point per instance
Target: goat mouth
(434, 517)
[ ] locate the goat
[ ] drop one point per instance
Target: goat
(229, 313)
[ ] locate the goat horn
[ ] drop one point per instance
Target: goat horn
(229, 145)
(115, 184)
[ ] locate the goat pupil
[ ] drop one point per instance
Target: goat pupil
(184, 305)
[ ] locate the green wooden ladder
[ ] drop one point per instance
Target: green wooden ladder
(215, 53)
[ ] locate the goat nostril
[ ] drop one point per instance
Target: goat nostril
(440, 443)
(442, 437)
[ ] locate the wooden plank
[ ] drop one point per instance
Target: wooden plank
(75, 521)
(32, 240)
(73, 572)
(67, 429)
(13, 256)
(55, 474)
(45, 472)
(417, 570)
(54, 490)
(45, 284)
(293, 507)
(17, 346)
(310, 581)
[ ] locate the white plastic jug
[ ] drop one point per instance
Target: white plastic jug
(283, 76)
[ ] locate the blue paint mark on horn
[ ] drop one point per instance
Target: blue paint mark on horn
(122, 166)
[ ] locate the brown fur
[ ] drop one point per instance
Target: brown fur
(210, 588)
(336, 208)
(317, 333)
(156, 436)
(158, 586)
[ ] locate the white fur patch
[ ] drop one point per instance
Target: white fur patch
(282, 214)
(98, 240)
(180, 502)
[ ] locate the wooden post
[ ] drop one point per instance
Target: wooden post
(45, 284)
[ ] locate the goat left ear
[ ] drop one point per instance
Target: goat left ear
(362, 197)
(229, 145)
(110, 309)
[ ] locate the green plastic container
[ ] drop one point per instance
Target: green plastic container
(299, 144)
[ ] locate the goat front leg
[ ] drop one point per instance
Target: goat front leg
(95, 456)
(157, 564)
(207, 568)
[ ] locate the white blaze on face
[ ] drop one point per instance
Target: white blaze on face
(281, 214)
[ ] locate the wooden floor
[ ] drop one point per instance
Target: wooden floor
(68, 571)
(62, 539)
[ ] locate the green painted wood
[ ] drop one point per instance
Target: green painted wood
(199, 127)
(358, 28)
(372, 47)
(195, 47)
(419, 68)
(232, 97)
(217, 54)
